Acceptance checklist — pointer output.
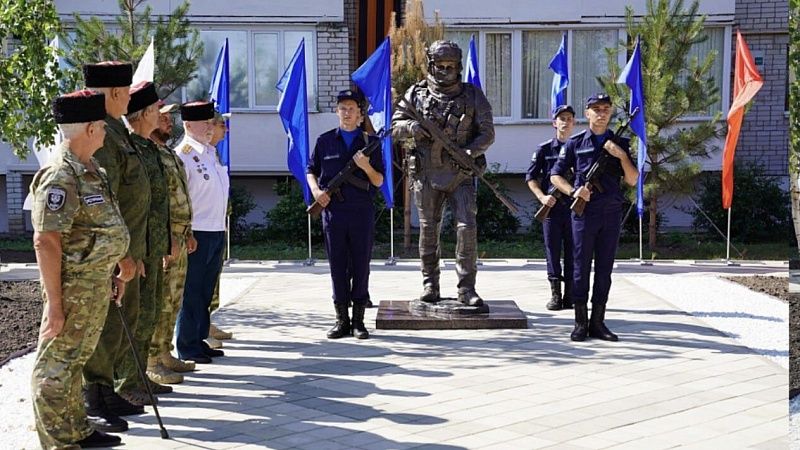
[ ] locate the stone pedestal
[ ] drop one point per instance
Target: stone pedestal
(416, 315)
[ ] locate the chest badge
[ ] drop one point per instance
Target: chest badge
(95, 199)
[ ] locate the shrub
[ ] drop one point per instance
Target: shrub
(242, 203)
(760, 207)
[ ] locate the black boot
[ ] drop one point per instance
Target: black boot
(597, 329)
(430, 294)
(342, 326)
(566, 301)
(359, 330)
(98, 414)
(555, 303)
(99, 439)
(118, 405)
(581, 323)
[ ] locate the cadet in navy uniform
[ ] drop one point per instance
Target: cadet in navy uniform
(596, 232)
(348, 217)
(557, 226)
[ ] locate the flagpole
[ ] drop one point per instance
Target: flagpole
(309, 261)
(392, 260)
(228, 235)
(640, 240)
(728, 239)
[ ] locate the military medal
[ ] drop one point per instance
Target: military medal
(196, 159)
(205, 177)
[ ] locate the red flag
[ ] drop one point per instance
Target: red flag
(746, 82)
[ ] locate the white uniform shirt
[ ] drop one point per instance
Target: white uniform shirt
(208, 184)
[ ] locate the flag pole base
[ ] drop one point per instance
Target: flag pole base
(310, 262)
(391, 261)
(730, 263)
(645, 263)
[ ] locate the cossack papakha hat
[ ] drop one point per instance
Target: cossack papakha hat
(80, 107)
(108, 74)
(199, 110)
(143, 94)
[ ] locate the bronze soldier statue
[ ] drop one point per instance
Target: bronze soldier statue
(462, 112)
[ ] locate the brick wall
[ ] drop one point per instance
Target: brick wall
(15, 197)
(764, 138)
(333, 72)
(351, 20)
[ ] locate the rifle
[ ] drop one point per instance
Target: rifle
(464, 161)
(342, 177)
(599, 168)
(544, 211)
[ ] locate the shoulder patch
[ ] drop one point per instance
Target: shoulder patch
(186, 149)
(56, 197)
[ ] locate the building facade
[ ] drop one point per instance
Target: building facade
(515, 43)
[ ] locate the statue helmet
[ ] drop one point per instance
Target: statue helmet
(443, 51)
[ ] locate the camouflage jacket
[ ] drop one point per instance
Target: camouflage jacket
(158, 235)
(180, 205)
(129, 183)
(76, 202)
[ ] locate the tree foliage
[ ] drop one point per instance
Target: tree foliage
(409, 42)
(177, 45)
(28, 75)
(675, 86)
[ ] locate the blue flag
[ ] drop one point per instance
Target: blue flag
(471, 74)
(559, 65)
(632, 76)
(293, 109)
(220, 94)
(374, 78)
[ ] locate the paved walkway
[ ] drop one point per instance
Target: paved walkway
(672, 379)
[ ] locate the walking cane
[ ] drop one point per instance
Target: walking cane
(145, 381)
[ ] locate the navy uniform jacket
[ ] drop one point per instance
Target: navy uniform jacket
(542, 162)
(580, 152)
(329, 157)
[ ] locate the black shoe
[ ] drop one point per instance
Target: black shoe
(100, 417)
(556, 302)
(430, 294)
(342, 326)
(358, 328)
(211, 352)
(597, 327)
(200, 359)
(581, 329)
(118, 405)
(368, 304)
(99, 439)
(470, 298)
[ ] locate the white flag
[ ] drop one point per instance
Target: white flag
(147, 66)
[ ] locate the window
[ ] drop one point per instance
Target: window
(538, 48)
(589, 60)
(257, 60)
(498, 73)
(461, 38)
(714, 43)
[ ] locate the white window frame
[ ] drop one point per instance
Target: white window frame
(516, 67)
(283, 60)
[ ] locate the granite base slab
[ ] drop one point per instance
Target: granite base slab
(397, 315)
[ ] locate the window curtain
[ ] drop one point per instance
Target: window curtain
(588, 62)
(538, 49)
(498, 73)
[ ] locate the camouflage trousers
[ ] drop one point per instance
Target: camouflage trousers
(173, 281)
(57, 373)
(151, 303)
(113, 348)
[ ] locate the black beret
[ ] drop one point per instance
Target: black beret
(598, 98)
(79, 107)
(194, 111)
(108, 74)
(349, 94)
(561, 109)
(143, 94)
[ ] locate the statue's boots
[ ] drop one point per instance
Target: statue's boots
(597, 327)
(556, 302)
(430, 293)
(100, 418)
(342, 326)
(358, 328)
(581, 329)
(469, 297)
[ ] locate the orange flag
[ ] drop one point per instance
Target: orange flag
(746, 82)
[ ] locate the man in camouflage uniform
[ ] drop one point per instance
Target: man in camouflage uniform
(143, 118)
(215, 334)
(463, 113)
(79, 236)
(162, 367)
(131, 187)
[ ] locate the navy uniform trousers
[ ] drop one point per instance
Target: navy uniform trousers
(557, 230)
(595, 236)
(349, 232)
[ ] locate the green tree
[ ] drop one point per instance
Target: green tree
(28, 75)
(177, 45)
(794, 112)
(675, 85)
